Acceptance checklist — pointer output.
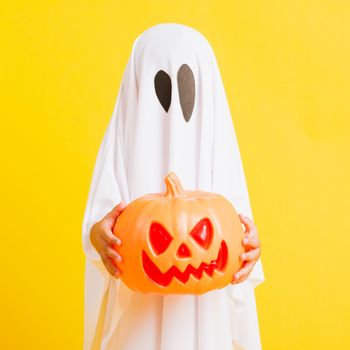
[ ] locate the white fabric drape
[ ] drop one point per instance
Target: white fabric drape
(142, 144)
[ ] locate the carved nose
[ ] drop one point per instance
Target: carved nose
(183, 251)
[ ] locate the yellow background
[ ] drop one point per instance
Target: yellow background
(285, 66)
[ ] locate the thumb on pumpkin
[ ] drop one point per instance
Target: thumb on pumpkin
(115, 212)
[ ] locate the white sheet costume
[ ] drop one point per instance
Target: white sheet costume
(184, 125)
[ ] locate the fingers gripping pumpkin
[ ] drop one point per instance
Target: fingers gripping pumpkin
(179, 242)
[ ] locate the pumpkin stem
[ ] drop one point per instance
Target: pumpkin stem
(173, 186)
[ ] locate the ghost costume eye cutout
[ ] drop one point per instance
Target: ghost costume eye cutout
(162, 85)
(186, 86)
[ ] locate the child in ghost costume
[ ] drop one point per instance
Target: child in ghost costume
(171, 114)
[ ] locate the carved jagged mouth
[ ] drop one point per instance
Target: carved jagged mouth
(165, 278)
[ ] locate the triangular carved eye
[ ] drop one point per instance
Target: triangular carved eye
(202, 233)
(162, 85)
(159, 238)
(186, 86)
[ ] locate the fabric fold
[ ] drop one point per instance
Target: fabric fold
(101, 289)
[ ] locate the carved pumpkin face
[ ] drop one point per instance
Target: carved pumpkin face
(179, 242)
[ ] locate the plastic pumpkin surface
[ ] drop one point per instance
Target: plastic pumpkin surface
(179, 241)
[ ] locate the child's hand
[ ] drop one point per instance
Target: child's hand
(102, 237)
(253, 250)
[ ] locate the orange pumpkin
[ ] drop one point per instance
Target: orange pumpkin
(179, 242)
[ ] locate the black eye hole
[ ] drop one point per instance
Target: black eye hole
(186, 85)
(162, 84)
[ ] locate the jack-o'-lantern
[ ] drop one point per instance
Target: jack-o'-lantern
(179, 241)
